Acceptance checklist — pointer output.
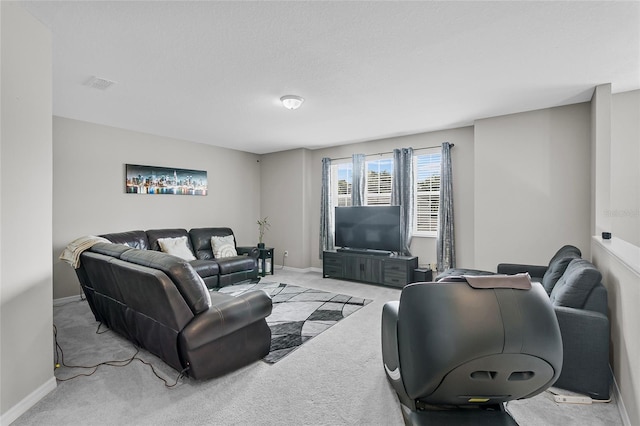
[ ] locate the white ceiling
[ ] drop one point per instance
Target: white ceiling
(212, 72)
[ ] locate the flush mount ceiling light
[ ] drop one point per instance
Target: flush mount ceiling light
(291, 101)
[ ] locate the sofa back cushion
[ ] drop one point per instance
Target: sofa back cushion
(156, 234)
(576, 284)
(113, 250)
(184, 277)
(558, 264)
(201, 240)
(134, 239)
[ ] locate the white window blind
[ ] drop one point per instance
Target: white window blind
(378, 183)
(343, 178)
(427, 202)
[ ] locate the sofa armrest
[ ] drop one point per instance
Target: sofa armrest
(249, 251)
(226, 315)
(536, 271)
(585, 342)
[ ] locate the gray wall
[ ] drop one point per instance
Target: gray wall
(284, 189)
(532, 185)
(521, 188)
(89, 197)
(625, 166)
(26, 315)
(289, 191)
(614, 146)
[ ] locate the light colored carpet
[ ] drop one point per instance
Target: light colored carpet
(336, 378)
(299, 314)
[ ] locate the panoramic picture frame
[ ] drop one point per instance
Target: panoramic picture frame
(155, 180)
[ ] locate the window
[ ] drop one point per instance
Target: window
(378, 188)
(427, 194)
(343, 176)
(378, 182)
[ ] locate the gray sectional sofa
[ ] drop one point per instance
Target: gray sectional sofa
(169, 305)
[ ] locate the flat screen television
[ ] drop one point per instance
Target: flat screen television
(368, 228)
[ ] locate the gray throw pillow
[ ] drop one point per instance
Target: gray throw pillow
(575, 285)
(555, 270)
(557, 266)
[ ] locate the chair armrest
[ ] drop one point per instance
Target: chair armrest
(390, 336)
(249, 251)
(390, 354)
(226, 315)
(585, 343)
(536, 271)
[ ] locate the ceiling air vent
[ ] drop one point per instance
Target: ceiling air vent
(99, 83)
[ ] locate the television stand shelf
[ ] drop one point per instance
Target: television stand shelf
(396, 271)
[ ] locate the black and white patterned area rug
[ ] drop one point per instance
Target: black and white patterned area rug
(299, 314)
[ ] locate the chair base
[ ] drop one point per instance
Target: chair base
(458, 417)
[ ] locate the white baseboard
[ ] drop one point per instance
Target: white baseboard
(65, 300)
(621, 408)
(29, 401)
(300, 270)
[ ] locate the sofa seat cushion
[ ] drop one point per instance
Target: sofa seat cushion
(229, 265)
(134, 239)
(205, 268)
(576, 284)
(558, 264)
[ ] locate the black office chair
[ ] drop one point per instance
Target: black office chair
(456, 351)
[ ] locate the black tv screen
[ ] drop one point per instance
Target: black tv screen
(368, 227)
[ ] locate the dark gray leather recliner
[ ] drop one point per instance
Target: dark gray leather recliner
(455, 354)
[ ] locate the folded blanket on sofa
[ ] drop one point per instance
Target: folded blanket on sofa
(71, 253)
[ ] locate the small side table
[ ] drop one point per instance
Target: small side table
(264, 254)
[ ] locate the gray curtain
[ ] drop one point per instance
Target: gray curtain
(358, 180)
(446, 251)
(326, 215)
(402, 193)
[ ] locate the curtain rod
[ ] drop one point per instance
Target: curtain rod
(390, 152)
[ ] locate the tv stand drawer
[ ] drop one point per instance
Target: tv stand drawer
(332, 265)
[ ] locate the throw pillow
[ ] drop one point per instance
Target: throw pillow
(176, 247)
(575, 285)
(223, 246)
(554, 272)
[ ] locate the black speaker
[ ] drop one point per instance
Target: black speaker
(606, 235)
(422, 275)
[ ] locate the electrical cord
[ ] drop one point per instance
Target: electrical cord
(114, 363)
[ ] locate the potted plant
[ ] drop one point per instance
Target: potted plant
(263, 226)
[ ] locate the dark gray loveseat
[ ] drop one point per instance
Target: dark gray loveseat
(580, 302)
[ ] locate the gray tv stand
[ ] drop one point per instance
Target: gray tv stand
(391, 270)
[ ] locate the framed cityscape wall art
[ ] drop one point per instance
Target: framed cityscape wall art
(164, 180)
